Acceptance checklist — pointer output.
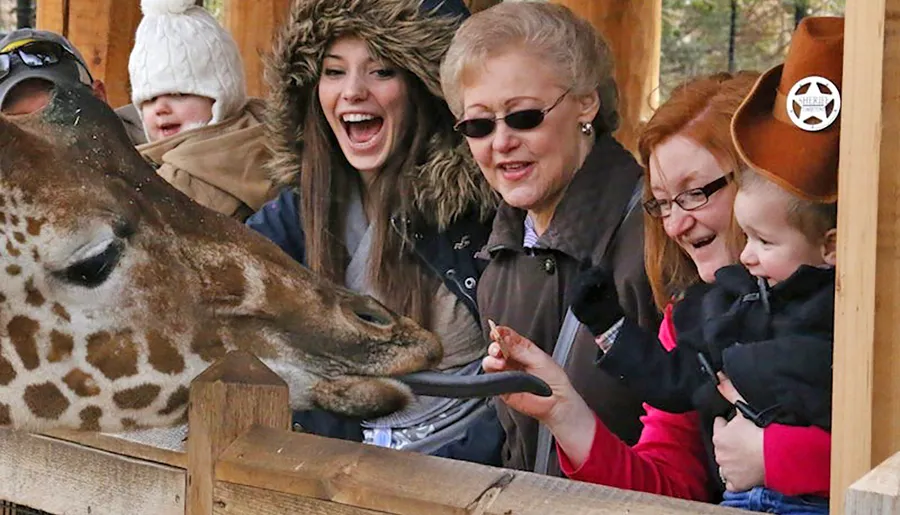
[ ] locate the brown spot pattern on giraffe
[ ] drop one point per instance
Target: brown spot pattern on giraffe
(90, 418)
(113, 357)
(14, 270)
(226, 284)
(33, 225)
(22, 331)
(33, 296)
(13, 219)
(81, 383)
(36, 255)
(7, 372)
(5, 418)
(12, 250)
(45, 400)
(177, 400)
(164, 357)
(129, 423)
(61, 346)
(19, 237)
(2, 217)
(61, 312)
(138, 397)
(208, 346)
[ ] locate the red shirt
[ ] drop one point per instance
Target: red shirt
(669, 459)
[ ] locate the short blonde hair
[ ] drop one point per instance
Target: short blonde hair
(563, 40)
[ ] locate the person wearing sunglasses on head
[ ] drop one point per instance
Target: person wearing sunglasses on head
(532, 89)
(33, 61)
(380, 195)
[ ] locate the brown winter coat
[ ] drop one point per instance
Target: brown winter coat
(528, 291)
(220, 166)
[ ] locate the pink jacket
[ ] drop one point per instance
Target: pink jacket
(669, 459)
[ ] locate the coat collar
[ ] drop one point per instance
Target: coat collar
(589, 211)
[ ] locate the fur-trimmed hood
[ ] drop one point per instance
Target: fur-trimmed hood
(449, 182)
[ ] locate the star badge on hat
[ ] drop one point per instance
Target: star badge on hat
(817, 107)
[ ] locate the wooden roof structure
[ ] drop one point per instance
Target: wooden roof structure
(866, 426)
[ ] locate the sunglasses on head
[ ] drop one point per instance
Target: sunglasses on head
(39, 54)
(524, 120)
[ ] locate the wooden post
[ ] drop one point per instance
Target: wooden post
(52, 15)
(866, 422)
(103, 31)
(633, 29)
(226, 400)
(253, 23)
(878, 492)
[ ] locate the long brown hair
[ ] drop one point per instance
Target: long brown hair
(326, 182)
(701, 110)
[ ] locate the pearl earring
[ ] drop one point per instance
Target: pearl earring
(587, 129)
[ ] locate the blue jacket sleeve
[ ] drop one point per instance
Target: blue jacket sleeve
(279, 220)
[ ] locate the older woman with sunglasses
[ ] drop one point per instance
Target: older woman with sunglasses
(690, 162)
(532, 90)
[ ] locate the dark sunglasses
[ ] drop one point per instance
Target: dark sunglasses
(687, 200)
(39, 54)
(520, 120)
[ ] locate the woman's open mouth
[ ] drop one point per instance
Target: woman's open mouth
(363, 130)
(699, 244)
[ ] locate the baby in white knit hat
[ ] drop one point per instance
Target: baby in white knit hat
(205, 135)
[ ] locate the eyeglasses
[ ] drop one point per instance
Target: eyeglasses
(40, 54)
(687, 200)
(520, 120)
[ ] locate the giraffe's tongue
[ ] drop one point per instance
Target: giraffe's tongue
(436, 384)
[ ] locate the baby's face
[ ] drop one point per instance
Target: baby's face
(775, 248)
(167, 115)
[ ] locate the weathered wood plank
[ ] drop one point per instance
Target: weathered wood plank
(369, 477)
(253, 24)
(122, 447)
(231, 499)
(878, 492)
(62, 477)
(234, 394)
(866, 425)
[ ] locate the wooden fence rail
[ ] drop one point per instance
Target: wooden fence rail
(243, 460)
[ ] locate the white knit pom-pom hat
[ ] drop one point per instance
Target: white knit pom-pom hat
(180, 48)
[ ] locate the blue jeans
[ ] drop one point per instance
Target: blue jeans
(770, 501)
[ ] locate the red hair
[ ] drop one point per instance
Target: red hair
(700, 110)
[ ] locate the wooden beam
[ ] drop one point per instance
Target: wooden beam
(53, 15)
(305, 468)
(878, 492)
(633, 29)
(226, 400)
(866, 421)
(103, 31)
(253, 24)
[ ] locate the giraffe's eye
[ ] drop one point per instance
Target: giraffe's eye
(92, 271)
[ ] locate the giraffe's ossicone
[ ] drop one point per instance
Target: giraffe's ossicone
(117, 290)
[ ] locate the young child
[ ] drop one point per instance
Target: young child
(767, 323)
(204, 134)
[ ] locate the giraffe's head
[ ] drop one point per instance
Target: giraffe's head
(117, 290)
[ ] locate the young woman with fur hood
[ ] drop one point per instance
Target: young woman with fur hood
(381, 195)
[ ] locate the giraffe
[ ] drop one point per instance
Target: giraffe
(117, 290)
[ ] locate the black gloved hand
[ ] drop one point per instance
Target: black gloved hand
(594, 300)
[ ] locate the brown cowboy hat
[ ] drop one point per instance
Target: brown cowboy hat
(797, 149)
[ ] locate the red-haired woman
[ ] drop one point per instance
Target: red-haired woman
(689, 159)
